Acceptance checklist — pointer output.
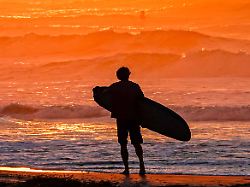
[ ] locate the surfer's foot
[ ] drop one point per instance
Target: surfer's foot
(142, 170)
(125, 172)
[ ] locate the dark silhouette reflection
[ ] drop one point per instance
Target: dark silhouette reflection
(132, 180)
(143, 180)
(125, 95)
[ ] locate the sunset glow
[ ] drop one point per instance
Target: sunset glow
(192, 56)
(82, 16)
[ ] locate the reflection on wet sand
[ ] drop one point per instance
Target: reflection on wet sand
(26, 169)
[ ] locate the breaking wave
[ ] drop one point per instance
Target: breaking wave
(110, 42)
(52, 112)
(214, 113)
(191, 113)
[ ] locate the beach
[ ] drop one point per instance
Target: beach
(29, 177)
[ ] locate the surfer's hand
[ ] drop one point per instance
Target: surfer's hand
(95, 88)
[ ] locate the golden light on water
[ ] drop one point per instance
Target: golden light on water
(26, 169)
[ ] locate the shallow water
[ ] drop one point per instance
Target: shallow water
(57, 125)
(216, 148)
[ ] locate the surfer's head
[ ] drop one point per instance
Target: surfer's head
(123, 73)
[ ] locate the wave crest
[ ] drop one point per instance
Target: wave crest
(52, 112)
(190, 113)
(18, 109)
(214, 113)
(111, 42)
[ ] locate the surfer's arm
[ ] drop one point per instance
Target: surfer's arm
(140, 93)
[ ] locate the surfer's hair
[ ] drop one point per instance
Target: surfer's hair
(123, 73)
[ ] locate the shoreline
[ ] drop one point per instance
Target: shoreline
(30, 177)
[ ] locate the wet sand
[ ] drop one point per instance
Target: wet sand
(28, 177)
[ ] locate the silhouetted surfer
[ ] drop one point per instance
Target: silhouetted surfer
(125, 94)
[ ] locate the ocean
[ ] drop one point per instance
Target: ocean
(57, 125)
(53, 53)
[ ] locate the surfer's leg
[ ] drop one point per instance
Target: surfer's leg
(137, 140)
(139, 153)
(124, 154)
(122, 134)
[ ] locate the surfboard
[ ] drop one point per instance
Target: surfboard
(153, 116)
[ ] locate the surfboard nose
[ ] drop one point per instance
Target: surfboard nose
(186, 136)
